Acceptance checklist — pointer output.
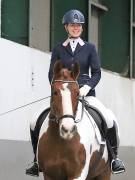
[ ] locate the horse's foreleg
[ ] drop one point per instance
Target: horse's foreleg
(105, 176)
(46, 177)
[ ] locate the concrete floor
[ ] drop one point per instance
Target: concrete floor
(15, 156)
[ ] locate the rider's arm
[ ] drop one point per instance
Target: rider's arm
(94, 63)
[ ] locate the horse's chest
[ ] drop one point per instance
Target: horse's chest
(61, 158)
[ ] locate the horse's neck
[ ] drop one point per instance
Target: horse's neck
(53, 131)
(53, 127)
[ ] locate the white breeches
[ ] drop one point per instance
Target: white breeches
(107, 113)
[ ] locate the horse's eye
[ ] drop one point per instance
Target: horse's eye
(77, 93)
(55, 93)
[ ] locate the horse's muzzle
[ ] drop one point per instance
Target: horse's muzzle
(68, 128)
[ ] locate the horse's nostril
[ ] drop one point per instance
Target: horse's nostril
(64, 129)
(74, 129)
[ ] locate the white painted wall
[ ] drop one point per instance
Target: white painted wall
(17, 63)
(118, 94)
(23, 80)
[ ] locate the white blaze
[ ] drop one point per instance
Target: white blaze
(67, 106)
(66, 100)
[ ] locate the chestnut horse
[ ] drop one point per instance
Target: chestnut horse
(69, 149)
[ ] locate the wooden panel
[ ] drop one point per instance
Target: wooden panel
(14, 20)
(114, 36)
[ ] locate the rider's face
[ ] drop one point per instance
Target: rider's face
(74, 30)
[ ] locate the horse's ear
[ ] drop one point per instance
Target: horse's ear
(75, 71)
(57, 67)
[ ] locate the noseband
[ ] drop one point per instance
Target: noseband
(65, 81)
(66, 115)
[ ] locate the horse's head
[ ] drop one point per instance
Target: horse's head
(64, 102)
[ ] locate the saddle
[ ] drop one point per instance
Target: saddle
(40, 121)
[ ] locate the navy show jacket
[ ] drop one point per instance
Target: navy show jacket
(87, 58)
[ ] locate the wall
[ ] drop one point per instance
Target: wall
(39, 30)
(117, 93)
(24, 86)
(114, 91)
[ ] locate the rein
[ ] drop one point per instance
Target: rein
(83, 105)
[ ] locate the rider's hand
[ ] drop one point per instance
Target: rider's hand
(84, 90)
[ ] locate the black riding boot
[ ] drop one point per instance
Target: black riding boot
(117, 165)
(33, 170)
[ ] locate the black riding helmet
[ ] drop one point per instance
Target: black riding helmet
(73, 17)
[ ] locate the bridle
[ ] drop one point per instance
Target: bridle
(65, 81)
(66, 115)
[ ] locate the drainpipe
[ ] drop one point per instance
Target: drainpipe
(131, 39)
(0, 18)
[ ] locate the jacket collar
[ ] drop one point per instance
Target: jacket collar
(79, 40)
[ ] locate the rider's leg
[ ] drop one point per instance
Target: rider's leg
(117, 165)
(33, 170)
(113, 137)
(35, 126)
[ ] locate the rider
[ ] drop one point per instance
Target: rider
(74, 49)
